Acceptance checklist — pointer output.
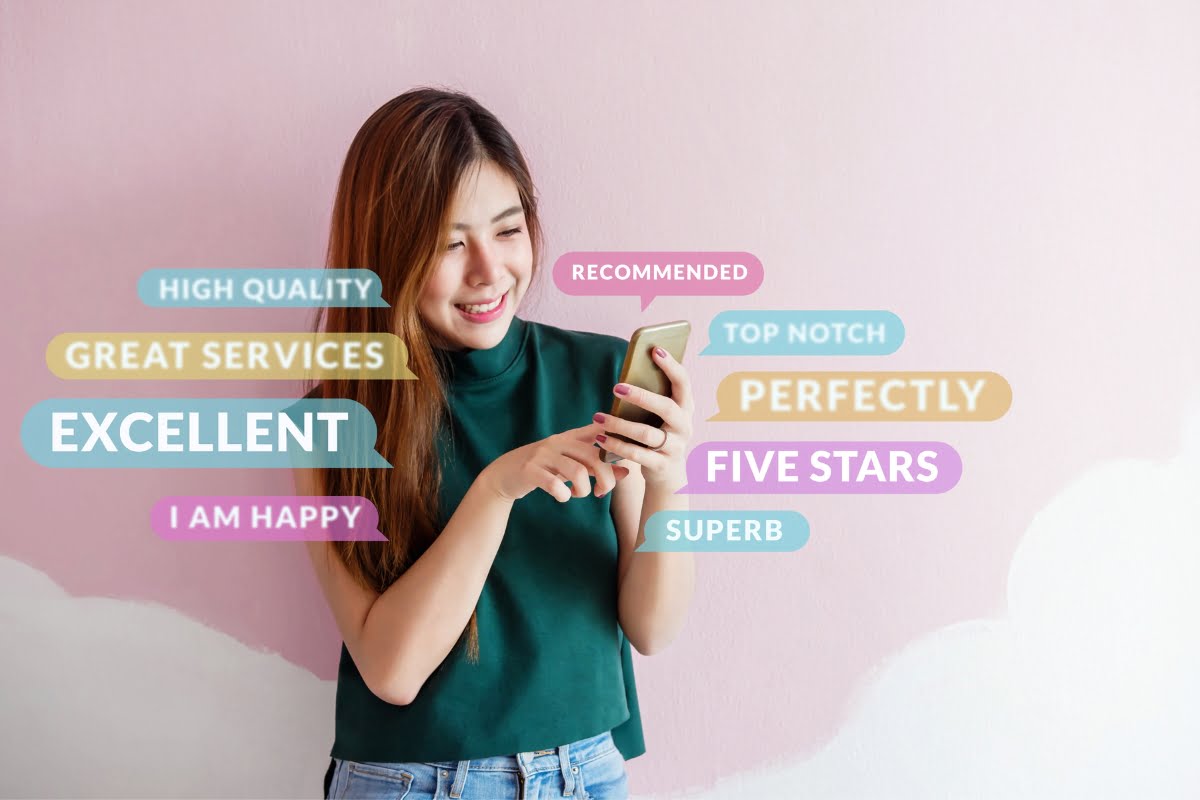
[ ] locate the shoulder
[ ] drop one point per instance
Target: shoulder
(603, 352)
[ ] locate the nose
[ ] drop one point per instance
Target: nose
(486, 267)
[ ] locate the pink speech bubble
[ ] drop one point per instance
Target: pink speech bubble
(220, 518)
(822, 468)
(650, 274)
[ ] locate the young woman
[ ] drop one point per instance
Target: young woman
(487, 643)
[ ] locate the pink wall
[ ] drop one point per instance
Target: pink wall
(1016, 181)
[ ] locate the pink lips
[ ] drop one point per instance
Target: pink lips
(487, 316)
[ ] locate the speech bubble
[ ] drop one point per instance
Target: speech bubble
(221, 518)
(822, 468)
(228, 356)
(649, 274)
(804, 333)
(252, 433)
(865, 396)
(260, 288)
(725, 531)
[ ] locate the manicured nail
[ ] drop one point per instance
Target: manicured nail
(601, 438)
(598, 417)
(658, 351)
(622, 388)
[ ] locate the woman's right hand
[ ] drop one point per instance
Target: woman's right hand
(547, 464)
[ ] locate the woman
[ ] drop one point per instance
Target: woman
(487, 643)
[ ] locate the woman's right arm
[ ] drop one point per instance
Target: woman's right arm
(397, 638)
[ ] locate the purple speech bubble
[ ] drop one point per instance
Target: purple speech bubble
(222, 518)
(648, 274)
(798, 468)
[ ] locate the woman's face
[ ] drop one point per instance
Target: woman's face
(485, 266)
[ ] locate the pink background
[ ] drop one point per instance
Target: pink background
(1015, 181)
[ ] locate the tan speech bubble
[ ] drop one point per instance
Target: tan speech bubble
(891, 396)
(228, 356)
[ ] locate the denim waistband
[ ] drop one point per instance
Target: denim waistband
(531, 761)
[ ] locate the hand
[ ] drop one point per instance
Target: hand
(662, 451)
(547, 464)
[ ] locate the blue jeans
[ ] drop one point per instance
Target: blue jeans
(590, 769)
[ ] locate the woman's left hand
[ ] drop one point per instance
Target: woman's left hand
(663, 450)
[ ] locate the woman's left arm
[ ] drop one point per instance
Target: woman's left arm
(654, 589)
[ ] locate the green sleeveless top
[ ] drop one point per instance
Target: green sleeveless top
(554, 666)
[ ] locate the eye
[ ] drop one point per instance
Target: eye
(508, 233)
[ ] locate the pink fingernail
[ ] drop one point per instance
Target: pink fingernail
(598, 417)
(601, 438)
(622, 388)
(658, 351)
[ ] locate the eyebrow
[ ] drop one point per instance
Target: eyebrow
(458, 226)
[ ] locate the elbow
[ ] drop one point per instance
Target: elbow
(393, 686)
(649, 647)
(651, 639)
(397, 695)
(645, 643)
(647, 639)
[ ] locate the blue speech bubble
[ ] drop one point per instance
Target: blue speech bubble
(725, 531)
(260, 288)
(254, 433)
(804, 333)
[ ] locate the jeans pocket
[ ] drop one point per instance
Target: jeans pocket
(371, 781)
(604, 778)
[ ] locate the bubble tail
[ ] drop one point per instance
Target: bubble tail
(646, 301)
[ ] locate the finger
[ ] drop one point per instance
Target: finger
(620, 472)
(606, 479)
(681, 384)
(634, 452)
(648, 435)
(607, 458)
(589, 456)
(573, 471)
(554, 486)
(664, 407)
(585, 434)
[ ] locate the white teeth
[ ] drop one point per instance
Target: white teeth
(474, 309)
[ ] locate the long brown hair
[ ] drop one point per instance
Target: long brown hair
(391, 215)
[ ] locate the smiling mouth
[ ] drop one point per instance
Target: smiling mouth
(480, 308)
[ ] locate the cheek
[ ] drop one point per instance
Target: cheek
(524, 261)
(439, 290)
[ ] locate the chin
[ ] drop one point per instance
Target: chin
(477, 338)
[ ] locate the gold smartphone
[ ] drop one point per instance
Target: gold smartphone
(640, 370)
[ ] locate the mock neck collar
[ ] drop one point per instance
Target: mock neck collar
(471, 366)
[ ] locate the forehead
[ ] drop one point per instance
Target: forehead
(483, 192)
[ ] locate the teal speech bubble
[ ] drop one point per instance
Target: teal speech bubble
(254, 433)
(260, 288)
(725, 531)
(804, 333)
